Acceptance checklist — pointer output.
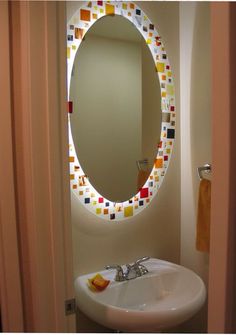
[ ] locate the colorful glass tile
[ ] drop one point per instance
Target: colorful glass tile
(128, 211)
(160, 67)
(158, 163)
(144, 192)
(170, 133)
(110, 9)
(98, 211)
(85, 15)
(70, 107)
(79, 33)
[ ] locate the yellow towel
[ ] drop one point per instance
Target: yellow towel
(142, 178)
(204, 216)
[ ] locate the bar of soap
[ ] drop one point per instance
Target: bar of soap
(98, 283)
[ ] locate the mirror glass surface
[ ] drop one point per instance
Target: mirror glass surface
(116, 119)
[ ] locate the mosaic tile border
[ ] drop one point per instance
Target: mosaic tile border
(79, 24)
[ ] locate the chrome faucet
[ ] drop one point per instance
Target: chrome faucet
(120, 275)
(132, 271)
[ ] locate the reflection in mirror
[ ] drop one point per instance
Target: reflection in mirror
(116, 118)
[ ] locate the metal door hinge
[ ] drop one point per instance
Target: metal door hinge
(70, 306)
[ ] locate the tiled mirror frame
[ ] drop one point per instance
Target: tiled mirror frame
(78, 25)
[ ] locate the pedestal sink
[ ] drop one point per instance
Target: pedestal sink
(166, 296)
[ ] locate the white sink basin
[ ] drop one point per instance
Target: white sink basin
(165, 297)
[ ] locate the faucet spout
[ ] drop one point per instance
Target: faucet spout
(120, 276)
(132, 271)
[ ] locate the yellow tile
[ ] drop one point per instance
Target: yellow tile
(95, 16)
(163, 94)
(72, 176)
(110, 9)
(124, 6)
(98, 211)
(148, 41)
(73, 47)
(160, 67)
(168, 151)
(81, 192)
(101, 11)
(170, 89)
(128, 211)
(169, 73)
(68, 52)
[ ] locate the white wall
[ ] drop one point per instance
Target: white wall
(195, 102)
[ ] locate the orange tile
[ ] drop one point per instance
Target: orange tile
(85, 15)
(158, 163)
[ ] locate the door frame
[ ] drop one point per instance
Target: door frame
(222, 290)
(11, 311)
(40, 194)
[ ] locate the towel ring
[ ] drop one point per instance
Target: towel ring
(205, 168)
(141, 162)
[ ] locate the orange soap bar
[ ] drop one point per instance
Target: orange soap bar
(98, 283)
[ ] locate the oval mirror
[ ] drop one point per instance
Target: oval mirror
(116, 119)
(122, 114)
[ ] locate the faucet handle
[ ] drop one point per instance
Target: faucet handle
(119, 274)
(143, 259)
(141, 269)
